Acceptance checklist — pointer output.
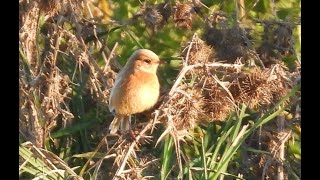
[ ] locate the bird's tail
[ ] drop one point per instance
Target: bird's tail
(122, 122)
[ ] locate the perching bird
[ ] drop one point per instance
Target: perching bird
(136, 89)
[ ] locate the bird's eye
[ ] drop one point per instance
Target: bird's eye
(147, 61)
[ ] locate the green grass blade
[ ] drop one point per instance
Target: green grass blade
(266, 118)
(132, 36)
(36, 166)
(167, 156)
(78, 126)
(204, 160)
(217, 148)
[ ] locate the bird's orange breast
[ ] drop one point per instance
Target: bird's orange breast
(134, 93)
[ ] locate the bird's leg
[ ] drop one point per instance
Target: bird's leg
(125, 123)
(125, 129)
(114, 126)
(132, 133)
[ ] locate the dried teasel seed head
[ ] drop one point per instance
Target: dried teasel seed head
(183, 15)
(152, 16)
(155, 16)
(217, 106)
(185, 107)
(165, 10)
(252, 89)
(260, 88)
(281, 81)
(229, 44)
(199, 52)
(283, 39)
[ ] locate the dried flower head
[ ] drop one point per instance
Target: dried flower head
(252, 89)
(199, 52)
(259, 88)
(165, 11)
(152, 16)
(277, 41)
(183, 15)
(281, 82)
(217, 103)
(185, 108)
(218, 20)
(283, 39)
(229, 46)
(229, 43)
(155, 16)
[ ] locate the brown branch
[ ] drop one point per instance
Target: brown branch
(110, 56)
(95, 34)
(189, 67)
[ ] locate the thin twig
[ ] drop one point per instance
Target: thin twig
(93, 62)
(189, 67)
(224, 87)
(249, 9)
(131, 149)
(110, 56)
(266, 165)
(185, 63)
(95, 32)
(281, 149)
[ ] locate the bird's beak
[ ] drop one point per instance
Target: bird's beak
(162, 62)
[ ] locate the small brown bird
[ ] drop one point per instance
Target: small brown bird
(136, 89)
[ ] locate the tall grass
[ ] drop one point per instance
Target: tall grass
(213, 147)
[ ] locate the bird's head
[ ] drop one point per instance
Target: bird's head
(144, 60)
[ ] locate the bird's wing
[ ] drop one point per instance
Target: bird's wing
(111, 106)
(113, 94)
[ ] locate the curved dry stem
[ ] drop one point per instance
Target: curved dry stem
(131, 149)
